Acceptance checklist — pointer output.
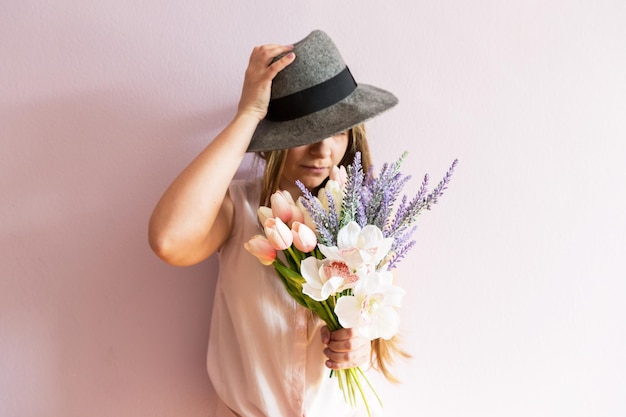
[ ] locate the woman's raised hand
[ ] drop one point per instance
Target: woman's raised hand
(257, 85)
(345, 348)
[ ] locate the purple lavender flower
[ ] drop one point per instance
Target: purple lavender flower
(401, 246)
(326, 232)
(442, 186)
(370, 199)
(351, 208)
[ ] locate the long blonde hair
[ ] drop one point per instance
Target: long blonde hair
(384, 352)
(275, 162)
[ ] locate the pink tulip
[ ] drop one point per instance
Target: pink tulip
(339, 174)
(264, 213)
(281, 202)
(296, 215)
(278, 233)
(287, 196)
(260, 247)
(304, 238)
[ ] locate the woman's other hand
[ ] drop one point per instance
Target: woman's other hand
(257, 85)
(345, 348)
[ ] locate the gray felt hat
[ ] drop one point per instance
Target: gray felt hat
(316, 97)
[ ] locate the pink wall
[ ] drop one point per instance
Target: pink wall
(516, 286)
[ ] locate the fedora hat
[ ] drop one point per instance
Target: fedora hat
(316, 97)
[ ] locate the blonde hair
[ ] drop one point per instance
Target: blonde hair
(275, 162)
(384, 351)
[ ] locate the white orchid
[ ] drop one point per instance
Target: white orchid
(325, 278)
(359, 247)
(372, 309)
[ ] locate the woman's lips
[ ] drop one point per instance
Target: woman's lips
(314, 169)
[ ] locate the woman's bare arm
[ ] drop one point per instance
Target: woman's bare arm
(194, 216)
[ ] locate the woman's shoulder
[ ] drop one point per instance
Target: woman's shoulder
(245, 183)
(246, 188)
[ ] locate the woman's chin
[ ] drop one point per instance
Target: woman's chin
(312, 182)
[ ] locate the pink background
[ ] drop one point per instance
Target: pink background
(515, 287)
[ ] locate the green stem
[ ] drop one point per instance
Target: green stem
(294, 256)
(355, 378)
(331, 321)
(360, 371)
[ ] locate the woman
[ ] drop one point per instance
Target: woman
(302, 112)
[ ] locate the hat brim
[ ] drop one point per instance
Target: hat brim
(364, 103)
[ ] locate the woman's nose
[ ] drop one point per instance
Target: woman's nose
(321, 148)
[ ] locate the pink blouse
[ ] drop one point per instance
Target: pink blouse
(265, 353)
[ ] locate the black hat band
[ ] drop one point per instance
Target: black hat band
(312, 99)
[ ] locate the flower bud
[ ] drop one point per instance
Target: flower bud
(278, 233)
(304, 238)
(336, 193)
(339, 174)
(287, 195)
(264, 213)
(297, 215)
(281, 206)
(260, 247)
(308, 220)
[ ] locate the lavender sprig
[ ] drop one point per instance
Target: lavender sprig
(332, 216)
(442, 186)
(421, 202)
(319, 215)
(385, 190)
(401, 246)
(351, 207)
(408, 211)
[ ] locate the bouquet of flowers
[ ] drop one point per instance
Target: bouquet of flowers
(340, 247)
